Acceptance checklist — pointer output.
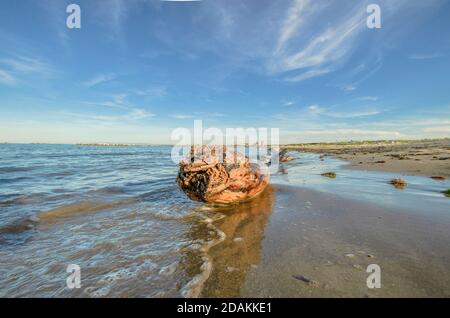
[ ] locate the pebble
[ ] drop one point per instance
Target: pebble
(34, 218)
(238, 239)
(307, 280)
(349, 255)
(230, 269)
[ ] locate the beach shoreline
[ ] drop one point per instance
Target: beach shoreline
(420, 158)
(305, 236)
(307, 243)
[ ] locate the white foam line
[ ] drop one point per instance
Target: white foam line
(195, 286)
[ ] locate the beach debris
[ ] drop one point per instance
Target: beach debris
(283, 154)
(438, 177)
(169, 269)
(238, 240)
(331, 175)
(307, 280)
(215, 175)
(350, 255)
(231, 269)
(398, 183)
(446, 193)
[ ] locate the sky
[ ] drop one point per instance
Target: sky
(138, 69)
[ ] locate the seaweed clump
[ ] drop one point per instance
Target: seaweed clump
(398, 183)
(331, 175)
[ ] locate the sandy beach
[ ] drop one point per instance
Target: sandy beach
(300, 243)
(422, 157)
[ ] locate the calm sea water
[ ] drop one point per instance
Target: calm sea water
(118, 214)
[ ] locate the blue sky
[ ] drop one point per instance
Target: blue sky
(138, 69)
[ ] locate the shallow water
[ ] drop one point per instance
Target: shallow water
(422, 194)
(118, 214)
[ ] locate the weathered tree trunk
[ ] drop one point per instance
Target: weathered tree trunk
(283, 154)
(213, 174)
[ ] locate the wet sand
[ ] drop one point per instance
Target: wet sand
(423, 157)
(301, 243)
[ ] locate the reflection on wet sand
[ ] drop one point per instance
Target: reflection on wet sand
(243, 226)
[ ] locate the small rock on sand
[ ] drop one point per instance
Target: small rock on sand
(307, 280)
(398, 183)
(168, 270)
(331, 175)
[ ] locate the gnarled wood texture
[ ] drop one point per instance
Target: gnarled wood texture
(214, 174)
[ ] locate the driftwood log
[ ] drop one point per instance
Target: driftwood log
(283, 154)
(213, 174)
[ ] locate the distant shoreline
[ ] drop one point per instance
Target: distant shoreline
(425, 157)
(282, 145)
(103, 145)
(420, 157)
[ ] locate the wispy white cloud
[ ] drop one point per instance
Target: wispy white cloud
(293, 20)
(367, 98)
(305, 48)
(111, 104)
(182, 116)
(320, 53)
(198, 115)
(7, 79)
(429, 56)
(18, 68)
(353, 114)
(438, 129)
(134, 114)
(349, 88)
(315, 111)
(99, 79)
(307, 75)
(157, 91)
(288, 103)
(139, 113)
(26, 65)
